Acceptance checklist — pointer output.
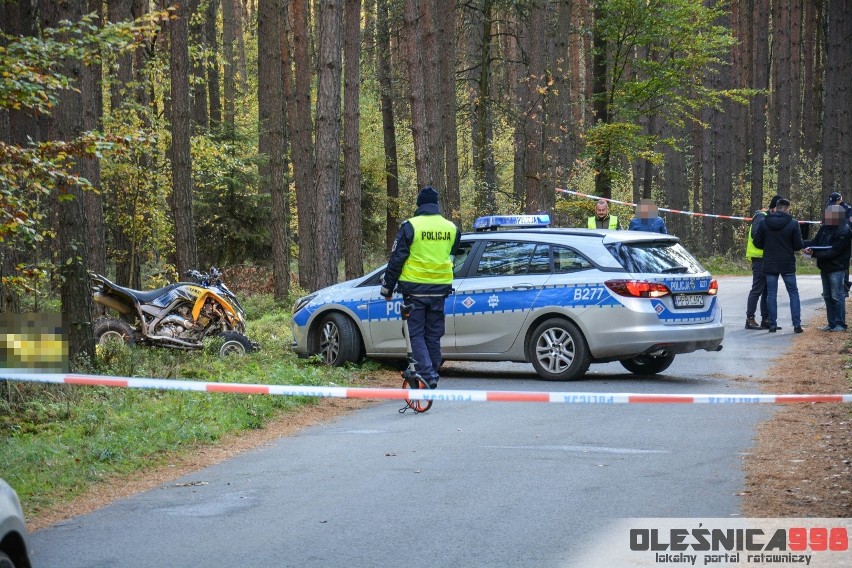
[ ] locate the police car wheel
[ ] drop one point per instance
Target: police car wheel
(558, 350)
(5, 561)
(648, 365)
(339, 340)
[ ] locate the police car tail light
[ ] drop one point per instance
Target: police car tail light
(638, 288)
(714, 288)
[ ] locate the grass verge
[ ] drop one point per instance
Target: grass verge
(56, 441)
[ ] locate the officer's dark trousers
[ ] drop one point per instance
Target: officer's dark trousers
(758, 290)
(426, 328)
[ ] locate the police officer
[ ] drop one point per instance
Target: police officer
(758, 278)
(421, 269)
(602, 219)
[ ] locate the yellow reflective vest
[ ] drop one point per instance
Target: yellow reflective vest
(613, 222)
(429, 260)
(751, 250)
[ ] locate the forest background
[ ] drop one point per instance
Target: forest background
(149, 138)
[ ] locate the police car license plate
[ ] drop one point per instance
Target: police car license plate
(689, 300)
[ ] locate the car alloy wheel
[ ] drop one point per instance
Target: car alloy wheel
(558, 350)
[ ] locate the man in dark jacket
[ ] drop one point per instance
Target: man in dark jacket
(832, 249)
(647, 218)
(779, 237)
(758, 278)
(421, 269)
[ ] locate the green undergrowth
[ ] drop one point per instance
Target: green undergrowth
(58, 440)
(722, 265)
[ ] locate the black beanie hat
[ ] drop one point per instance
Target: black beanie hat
(427, 195)
(774, 201)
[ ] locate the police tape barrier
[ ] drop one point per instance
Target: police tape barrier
(438, 394)
(691, 213)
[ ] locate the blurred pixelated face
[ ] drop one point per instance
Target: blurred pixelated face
(601, 210)
(834, 215)
(647, 210)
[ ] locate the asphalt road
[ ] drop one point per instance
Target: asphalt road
(466, 484)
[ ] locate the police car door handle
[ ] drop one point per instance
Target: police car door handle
(522, 286)
(361, 306)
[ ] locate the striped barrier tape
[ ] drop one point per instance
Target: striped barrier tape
(691, 213)
(438, 394)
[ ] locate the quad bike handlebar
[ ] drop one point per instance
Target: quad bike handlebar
(205, 278)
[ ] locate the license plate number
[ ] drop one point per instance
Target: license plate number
(689, 301)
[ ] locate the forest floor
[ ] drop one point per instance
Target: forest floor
(800, 464)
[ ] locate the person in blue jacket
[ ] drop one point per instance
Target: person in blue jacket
(647, 218)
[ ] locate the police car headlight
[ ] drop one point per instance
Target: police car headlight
(302, 302)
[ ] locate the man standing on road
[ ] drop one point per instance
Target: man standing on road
(833, 240)
(758, 279)
(421, 269)
(779, 237)
(836, 199)
(602, 219)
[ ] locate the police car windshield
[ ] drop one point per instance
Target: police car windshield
(655, 258)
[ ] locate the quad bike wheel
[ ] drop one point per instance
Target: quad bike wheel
(235, 343)
(112, 329)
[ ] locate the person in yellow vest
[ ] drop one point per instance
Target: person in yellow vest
(758, 278)
(421, 269)
(602, 219)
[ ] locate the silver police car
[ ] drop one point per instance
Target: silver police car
(560, 299)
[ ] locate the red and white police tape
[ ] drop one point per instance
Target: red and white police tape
(691, 213)
(438, 394)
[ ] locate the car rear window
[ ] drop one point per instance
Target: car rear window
(655, 258)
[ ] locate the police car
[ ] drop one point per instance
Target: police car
(560, 299)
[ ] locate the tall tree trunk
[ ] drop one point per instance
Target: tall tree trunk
(434, 127)
(126, 260)
(75, 293)
(534, 35)
(326, 224)
(447, 81)
(760, 74)
(186, 253)
(20, 20)
(93, 201)
(212, 44)
(518, 102)
(837, 109)
(271, 142)
(353, 249)
(812, 83)
(783, 94)
(564, 127)
(724, 149)
(239, 28)
(199, 78)
(577, 90)
(479, 97)
(369, 33)
(302, 141)
(416, 94)
(229, 78)
(603, 175)
(383, 64)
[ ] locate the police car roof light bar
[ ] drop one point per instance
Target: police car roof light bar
(494, 222)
